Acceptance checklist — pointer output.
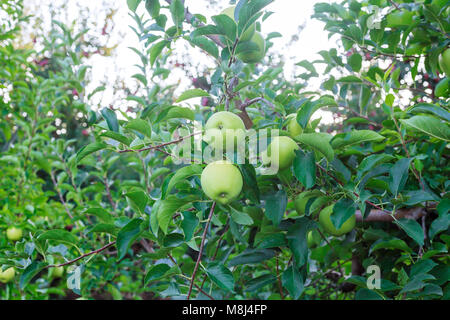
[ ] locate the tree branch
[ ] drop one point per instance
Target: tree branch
(379, 215)
(199, 258)
(159, 146)
(82, 256)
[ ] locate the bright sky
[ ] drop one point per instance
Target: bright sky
(287, 17)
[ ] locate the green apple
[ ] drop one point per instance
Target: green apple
(444, 61)
(313, 238)
(7, 275)
(226, 125)
(327, 224)
(252, 51)
(58, 272)
(442, 89)
(302, 199)
(292, 126)
(14, 234)
(280, 153)
(400, 18)
(221, 181)
(249, 32)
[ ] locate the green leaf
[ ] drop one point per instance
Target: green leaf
(104, 228)
(429, 125)
(259, 282)
(368, 163)
(59, 235)
(189, 224)
(241, 217)
(168, 207)
(141, 126)
(355, 62)
(133, 4)
(412, 229)
(30, 271)
(251, 190)
(173, 240)
(204, 31)
(273, 240)
(252, 256)
(177, 12)
(156, 50)
(422, 266)
(101, 214)
(180, 175)
(398, 175)
(367, 294)
(138, 200)
(207, 45)
(305, 112)
(417, 196)
(117, 136)
(152, 7)
(390, 244)
(346, 139)
(439, 224)
(430, 108)
(221, 276)
(156, 272)
(292, 280)
(90, 148)
(342, 211)
(319, 142)
(180, 113)
(416, 283)
(127, 235)
(226, 26)
(249, 13)
(192, 93)
(305, 168)
(296, 237)
(111, 119)
(276, 203)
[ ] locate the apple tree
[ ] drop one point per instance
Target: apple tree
(357, 208)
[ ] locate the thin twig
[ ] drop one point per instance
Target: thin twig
(82, 256)
(184, 276)
(199, 258)
(61, 198)
(159, 146)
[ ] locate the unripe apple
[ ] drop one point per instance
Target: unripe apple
(313, 239)
(327, 224)
(400, 18)
(280, 153)
(444, 61)
(58, 272)
(302, 199)
(14, 234)
(221, 181)
(293, 127)
(7, 275)
(249, 32)
(225, 125)
(442, 89)
(252, 51)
